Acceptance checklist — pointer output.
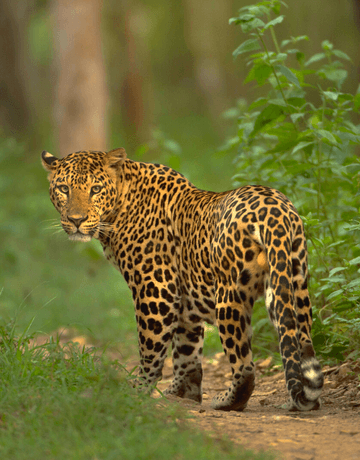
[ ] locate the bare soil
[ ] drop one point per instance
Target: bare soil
(331, 433)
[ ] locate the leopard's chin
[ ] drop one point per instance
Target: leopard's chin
(78, 236)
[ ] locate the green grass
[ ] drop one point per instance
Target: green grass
(64, 402)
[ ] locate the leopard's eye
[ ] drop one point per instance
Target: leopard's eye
(96, 189)
(63, 189)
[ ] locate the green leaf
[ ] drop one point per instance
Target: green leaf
(257, 10)
(258, 103)
(336, 270)
(301, 37)
(284, 131)
(301, 145)
(326, 45)
(354, 261)
(348, 136)
(317, 57)
(296, 101)
(333, 74)
(280, 57)
(353, 283)
(255, 23)
(249, 45)
(294, 40)
(344, 97)
(234, 21)
(275, 6)
(300, 57)
(260, 73)
(275, 21)
(298, 169)
(278, 101)
(331, 95)
(269, 114)
(288, 74)
(296, 116)
(341, 55)
(292, 51)
(327, 135)
(245, 17)
(357, 101)
(283, 146)
(335, 294)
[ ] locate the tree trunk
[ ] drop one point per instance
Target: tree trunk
(81, 93)
(14, 104)
(208, 35)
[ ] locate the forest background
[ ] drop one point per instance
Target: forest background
(158, 78)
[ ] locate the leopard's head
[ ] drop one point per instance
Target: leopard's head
(84, 188)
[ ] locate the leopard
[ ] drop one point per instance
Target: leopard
(192, 257)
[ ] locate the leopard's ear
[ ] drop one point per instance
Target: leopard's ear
(115, 157)
(48, 161)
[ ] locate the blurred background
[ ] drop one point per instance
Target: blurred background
(152, 76)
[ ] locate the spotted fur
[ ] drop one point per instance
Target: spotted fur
(191, 256)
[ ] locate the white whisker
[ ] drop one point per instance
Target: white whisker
(53, 227)
(56, 232)
(54, 219)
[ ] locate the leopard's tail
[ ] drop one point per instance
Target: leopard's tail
(289, 306)
(313, 381)
(312, 376)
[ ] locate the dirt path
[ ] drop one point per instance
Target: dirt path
(331, 433)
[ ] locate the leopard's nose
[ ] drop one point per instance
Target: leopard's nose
(77, 221)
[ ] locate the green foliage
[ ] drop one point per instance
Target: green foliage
(66, 402)
(300, 138)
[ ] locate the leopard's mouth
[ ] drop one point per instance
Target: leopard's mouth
(78, 233)
(78, 236)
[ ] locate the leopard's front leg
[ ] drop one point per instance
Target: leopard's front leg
(187, 348)
(157, 309)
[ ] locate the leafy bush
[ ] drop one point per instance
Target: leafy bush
(300, 138)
